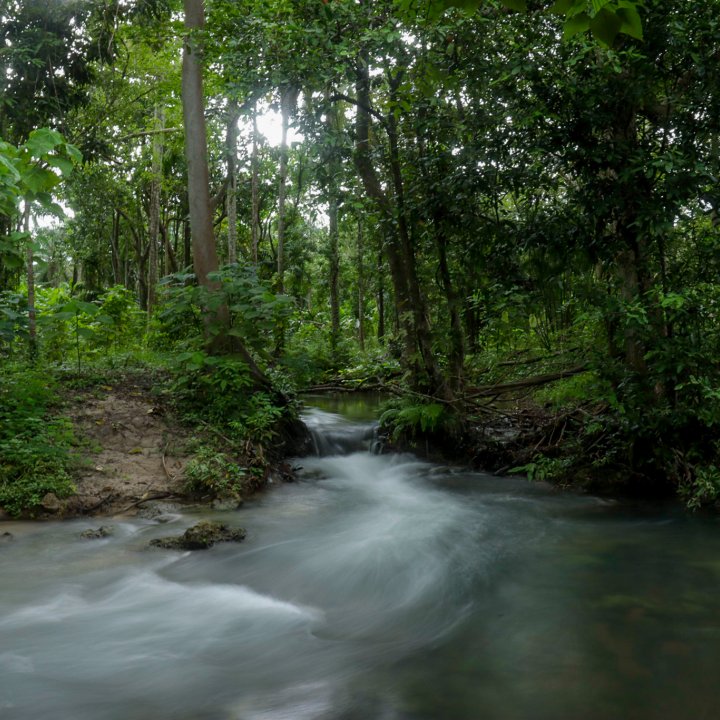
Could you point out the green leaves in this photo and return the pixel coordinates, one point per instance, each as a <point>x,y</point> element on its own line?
<point>38,179</point>
<point>43,141</point>
<point>605,19</point>
<point>576,24</point>
<point>436,7</point>
<point>33,170</point>
<point>518,5</point>
<point>631,22</point>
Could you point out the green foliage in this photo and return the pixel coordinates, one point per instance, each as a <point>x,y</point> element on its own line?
<point>373,364</point>
<point>208,386</point>
<point>260,420</point>
<point>69,324</point>
<point>255,311</point>
<point>13,319</point>
<point>34,449</point>
<point>586,387</point>
<point>544,469</point>
<point>219,390</point>
<point>410,419</point>
<point>701,488</point>
<point>211,472</point>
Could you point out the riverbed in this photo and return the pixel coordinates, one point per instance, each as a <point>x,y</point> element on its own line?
<point>376,587</point>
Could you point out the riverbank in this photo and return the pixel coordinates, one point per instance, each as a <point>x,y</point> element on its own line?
<point>130,449</point>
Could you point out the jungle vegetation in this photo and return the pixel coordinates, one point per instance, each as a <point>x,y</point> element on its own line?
<point>505,213</point>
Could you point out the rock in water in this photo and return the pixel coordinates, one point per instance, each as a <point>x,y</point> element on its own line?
<point>95,534</point>
<point>200,537</point>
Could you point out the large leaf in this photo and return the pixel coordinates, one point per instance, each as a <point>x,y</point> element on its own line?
<point>73,152</point>
<point>43,141</point>
<point>38,179</point>
<point>631,22</point>
<point>6,166</point>
<point>79,306</point>
<point>576,24</point>
<point>561,7</point>
<point>64,165</point>
<point>605,27</point>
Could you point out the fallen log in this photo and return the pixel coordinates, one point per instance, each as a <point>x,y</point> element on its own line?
<point>534,381</point>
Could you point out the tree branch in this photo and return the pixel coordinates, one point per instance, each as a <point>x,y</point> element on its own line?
<point>146,133</point>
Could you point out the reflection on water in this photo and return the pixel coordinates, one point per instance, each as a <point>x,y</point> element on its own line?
<point>375,587</point>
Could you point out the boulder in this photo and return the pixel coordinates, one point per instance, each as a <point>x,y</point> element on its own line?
<point>229,501</point>
<point>51,503</point>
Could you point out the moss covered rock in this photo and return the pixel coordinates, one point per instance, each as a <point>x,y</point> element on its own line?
<point>201,537</point>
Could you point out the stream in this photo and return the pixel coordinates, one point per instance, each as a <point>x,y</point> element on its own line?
<point>376,587</point>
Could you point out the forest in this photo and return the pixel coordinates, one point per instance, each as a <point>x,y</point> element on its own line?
<point>500,215</point>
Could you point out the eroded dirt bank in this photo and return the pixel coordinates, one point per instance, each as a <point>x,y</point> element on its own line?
<point>133,449</point>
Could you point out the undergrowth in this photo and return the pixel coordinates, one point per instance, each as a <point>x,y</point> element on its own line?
<point>35,448</point>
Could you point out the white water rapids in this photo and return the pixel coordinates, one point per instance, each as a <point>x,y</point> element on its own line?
<point>375,587</point>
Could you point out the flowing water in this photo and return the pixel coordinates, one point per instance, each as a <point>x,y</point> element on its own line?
<point>375,587</point>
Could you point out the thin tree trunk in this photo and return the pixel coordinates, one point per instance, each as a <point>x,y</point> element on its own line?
<point>421,325</point>
<point>231,197</point>
<point>171,261</point>
<point>409,300</point>
<point>438,213</point>
<point>361,287</point>
<point>374,190</point>
<point>333,234</point>
<point>114,247</point>
<point>380,300</point>
<point>255,200</point>
<point>30,258</point>
<point>187,244</point>
<point>334,273</point>
<point>154,220</point>
<point>287,100</point>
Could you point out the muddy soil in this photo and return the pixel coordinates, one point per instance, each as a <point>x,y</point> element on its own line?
<point>133,450</point>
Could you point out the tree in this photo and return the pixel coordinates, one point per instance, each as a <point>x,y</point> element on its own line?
<point>205,259</point>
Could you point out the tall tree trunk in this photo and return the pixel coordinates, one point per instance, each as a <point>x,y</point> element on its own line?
<point>421,324</point>
<point>114,248</point>
<point>204,252</point>
<point>287,101</point>
<point>201,227</point>
<point>374,190</point>
<point>361,287</point>
<point>231,196</point>
<point>154,220</point>
<point>187,244</point>
<point>30,258</point>
<point>171,265</point>
<point>438,214</point>
<point>255,200</point>
<point>334,273</point>
<point>409,300</point>
<point>332,128</point>
<point>380,300</point>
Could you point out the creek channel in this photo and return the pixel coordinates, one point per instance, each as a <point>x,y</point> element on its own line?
<point>376,587</point>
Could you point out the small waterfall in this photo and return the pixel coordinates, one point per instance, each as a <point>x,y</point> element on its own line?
<point>334,435</point>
